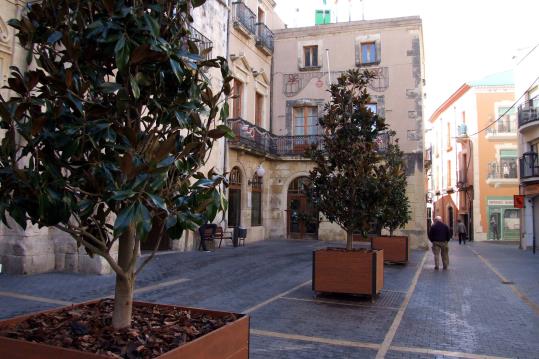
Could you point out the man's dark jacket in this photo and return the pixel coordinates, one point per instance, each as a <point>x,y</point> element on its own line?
<point>439,232</point>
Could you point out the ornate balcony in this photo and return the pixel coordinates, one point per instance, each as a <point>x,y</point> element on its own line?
<point>529,167</point>
<point>502,173</point>
<point>264,38</point>
<point>528,113</point>
<point>504,129</point>
<point>263,143</point>
<point>243,19</point>
<point>204,44</point>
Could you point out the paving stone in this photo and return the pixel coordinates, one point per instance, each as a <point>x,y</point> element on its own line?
<point>275,348</point>
<point>12,307</point>
<point>465,309</point>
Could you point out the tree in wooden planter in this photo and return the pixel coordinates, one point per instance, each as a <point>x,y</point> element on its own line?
<point>105,138</point>
<point>394,211</point>
<point>346,183</point>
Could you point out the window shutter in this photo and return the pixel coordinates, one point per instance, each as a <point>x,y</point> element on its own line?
<point>378,51</point>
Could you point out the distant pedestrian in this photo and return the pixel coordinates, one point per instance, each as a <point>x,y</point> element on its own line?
<point>461,229</point>
<point>439,235</point>
<point>494,228</point>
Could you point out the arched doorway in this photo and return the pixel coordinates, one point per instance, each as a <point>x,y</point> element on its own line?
<point>234,198</point>
<point>302,217</point>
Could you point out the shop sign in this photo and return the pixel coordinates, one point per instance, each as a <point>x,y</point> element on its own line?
<point>500,202</point>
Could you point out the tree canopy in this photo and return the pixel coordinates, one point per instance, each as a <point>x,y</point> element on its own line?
<point>105,135</point>
<point>346,178</point>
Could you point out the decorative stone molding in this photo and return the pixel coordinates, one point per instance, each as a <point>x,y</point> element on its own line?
<point>294,83</point>
<point>5,35</point>
<point>290,104</point>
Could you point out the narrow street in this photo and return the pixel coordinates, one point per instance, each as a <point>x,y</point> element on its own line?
<point>485,306</point>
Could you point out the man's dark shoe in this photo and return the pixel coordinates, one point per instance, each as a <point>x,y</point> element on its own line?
<point>445,268</point>
<point>436,268</point>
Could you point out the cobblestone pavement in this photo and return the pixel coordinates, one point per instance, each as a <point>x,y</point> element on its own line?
<point>485,306</point>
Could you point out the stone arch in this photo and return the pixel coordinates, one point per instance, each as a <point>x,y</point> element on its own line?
<point>300,221</point>
<point>235,196</point>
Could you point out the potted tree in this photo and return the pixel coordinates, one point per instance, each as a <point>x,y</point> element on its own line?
<point>104,139</point>
<point>395,210</point>
<point>346,186</point>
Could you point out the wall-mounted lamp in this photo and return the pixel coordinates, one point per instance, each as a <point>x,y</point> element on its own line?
<point>260,172</point>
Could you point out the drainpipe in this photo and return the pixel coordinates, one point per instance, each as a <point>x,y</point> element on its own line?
<point>271,91</point>
<point>225,141</point>
<point>533,224</point>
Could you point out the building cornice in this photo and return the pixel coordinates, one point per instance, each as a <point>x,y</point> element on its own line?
<point>451,100</point>
<point>363,25</point>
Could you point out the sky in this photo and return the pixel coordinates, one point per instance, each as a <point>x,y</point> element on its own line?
<point>464,40</point>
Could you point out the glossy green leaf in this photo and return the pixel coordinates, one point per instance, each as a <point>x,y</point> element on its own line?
<point>134,87</point>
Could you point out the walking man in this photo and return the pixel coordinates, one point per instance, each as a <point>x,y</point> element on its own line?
<point>439,236</point>
<point>461,229</point>
<point>494,227</point>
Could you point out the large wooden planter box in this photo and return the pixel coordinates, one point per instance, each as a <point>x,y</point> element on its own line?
<point>360,271</point>
<point>396,248</point>
<point>228,342</point>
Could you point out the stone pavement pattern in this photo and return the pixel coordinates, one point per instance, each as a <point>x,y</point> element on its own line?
<point>465,312</point>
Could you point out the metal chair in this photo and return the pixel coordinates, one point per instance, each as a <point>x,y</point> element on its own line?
<point>220,234</point>
<point>207,233</point>
<point>239,235</point>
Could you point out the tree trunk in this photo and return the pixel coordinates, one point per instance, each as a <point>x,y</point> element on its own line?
<point>390,232</point>
<point>123,294</point>
<point>349,240</point>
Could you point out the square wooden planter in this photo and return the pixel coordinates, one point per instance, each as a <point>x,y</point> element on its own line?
<point>228,342</point>
<point>396,248</point>
<point>359,271</point>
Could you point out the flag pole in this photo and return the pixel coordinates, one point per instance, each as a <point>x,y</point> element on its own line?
<point>329,70</point>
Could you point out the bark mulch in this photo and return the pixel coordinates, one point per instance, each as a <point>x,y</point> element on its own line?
<point>154,330</point>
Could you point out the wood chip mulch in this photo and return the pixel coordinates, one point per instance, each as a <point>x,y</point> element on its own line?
<point>154,330</point>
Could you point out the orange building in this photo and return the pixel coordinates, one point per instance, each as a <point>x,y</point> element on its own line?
<point>474,159</point>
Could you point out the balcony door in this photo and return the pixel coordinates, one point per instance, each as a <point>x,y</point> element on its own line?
<point>237,101</point>
<point>302,221</point>
<point>305,124</point>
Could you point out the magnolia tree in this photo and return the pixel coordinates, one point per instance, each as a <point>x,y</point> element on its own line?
<point>105,137</point>
<point>395,211</point>
<point>346,183</point>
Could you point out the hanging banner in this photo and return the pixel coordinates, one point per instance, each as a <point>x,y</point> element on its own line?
<point>518,201</point>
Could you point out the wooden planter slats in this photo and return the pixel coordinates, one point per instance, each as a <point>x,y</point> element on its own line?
<point>228,342</point>
<point>396,248</point>
<point>350,272</point>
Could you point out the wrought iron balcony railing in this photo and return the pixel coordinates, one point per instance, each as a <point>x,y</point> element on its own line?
<point>504,126</point>
<point>506,169</point>
<point>529,165</point>
<point>204,44</point>
<point>528,112</point>
<point>264,142</point>
<point>264,37</point>
<point>244,17</point>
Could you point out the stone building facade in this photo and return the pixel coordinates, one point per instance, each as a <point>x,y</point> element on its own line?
<point>42,250</point>
<point>305,61</point>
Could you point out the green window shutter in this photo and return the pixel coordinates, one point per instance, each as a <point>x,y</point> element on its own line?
<point>319,17</point>
<point>327,17</point>
<point>508,153</point>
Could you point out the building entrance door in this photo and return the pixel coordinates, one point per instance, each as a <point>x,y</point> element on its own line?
<point>302,221</point>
